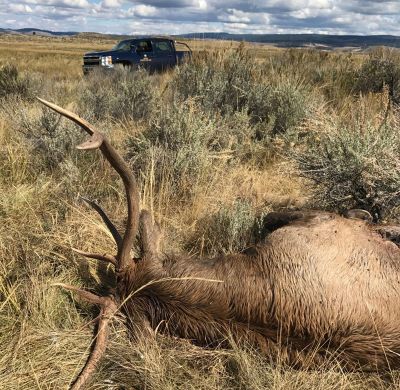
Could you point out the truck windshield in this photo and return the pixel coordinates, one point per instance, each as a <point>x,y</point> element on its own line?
<point>123,46</point>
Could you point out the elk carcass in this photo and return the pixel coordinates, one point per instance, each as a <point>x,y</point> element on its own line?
<point>318,281</point>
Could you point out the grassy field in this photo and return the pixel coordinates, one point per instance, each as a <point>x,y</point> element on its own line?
<point>215,144</point>
<point>61,57</point>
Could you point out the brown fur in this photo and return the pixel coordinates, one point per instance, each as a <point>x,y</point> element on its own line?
<point>319,280</point>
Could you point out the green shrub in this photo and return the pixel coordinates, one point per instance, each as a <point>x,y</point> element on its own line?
<point>353,167</point>
<point>177,144</point>
<point>219,81</point>
<point>233,81</point>
<point>117,95</point>
<point>379,70</point>
<point>230,229</point>
<point>13,84</point>
<point>289,107</point>
<point>182,143</point>
<point>51,139</point>
<point>277,109</point>
<point>333,73</point>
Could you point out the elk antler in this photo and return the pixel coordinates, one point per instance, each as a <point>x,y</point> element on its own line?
<point>123,258</point>
<point>114,231</point>
<point>108,309</point>
<point>98,140</point>
<point>105,257</point>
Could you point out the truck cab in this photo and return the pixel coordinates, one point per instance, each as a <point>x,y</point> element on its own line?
<point>154,54</point>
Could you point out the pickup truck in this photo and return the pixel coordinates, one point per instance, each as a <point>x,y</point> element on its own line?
<point>154,54</point>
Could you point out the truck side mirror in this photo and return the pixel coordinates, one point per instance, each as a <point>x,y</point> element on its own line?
<point>133,47</point>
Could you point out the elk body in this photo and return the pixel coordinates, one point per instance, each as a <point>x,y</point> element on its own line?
<point>318,282</point>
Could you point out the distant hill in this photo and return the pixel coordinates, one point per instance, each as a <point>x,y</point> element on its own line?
<point>35,31</point>
<point>320,41</point>
<point>304,40</point>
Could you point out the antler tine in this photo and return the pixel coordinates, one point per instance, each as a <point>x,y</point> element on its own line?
<point>97,256</point>
<point>70,115</point>
<point>83,294</point>
<point>111,227</point>
<point>98,140</point>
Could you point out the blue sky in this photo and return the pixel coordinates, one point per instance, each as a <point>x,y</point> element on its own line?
<point>183,16</point>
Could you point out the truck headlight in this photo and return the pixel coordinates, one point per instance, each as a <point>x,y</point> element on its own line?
<point>106,61</point>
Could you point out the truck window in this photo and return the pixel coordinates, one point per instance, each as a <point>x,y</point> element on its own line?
<point>162,47</point>
<point>123,46</point>
<point>143,47</point>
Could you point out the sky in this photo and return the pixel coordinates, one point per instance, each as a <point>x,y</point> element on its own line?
<point>361,17</point>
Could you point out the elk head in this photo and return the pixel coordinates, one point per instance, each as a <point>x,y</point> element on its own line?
<point>131,273</point>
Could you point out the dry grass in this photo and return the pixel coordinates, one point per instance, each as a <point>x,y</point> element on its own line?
<point>44,333</point>
<point>61,57</point>
<point>58,57</point>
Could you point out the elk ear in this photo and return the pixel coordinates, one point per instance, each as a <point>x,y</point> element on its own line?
<point>150,234</point>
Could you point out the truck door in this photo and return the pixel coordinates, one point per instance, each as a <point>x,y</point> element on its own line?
<point>164,54</point>
<point>144,50</point>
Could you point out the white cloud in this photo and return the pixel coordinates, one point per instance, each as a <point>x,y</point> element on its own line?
<point>202,4</point>
<point>181,16</point>
<point>146,10</point>
<point>236,16</point>
<point>17,8</point>
<point>111,3</point>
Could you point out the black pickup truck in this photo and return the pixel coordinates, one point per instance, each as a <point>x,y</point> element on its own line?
<point>154,54</point>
